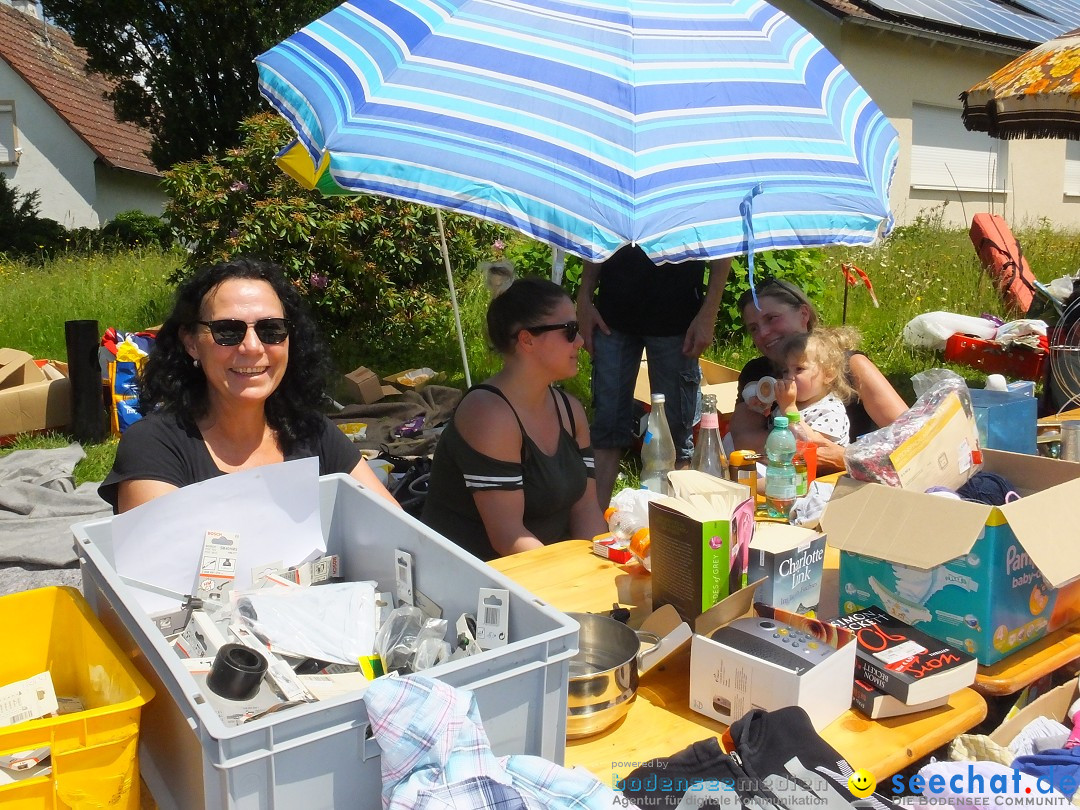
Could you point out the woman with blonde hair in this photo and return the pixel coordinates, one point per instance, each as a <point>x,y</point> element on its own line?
<point>782,309</point>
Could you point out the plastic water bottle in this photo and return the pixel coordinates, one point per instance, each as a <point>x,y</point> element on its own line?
<point>709,456</point>
<point>627,514</point>
<point>795,425</point>
<point>657,450</point>
<point>779,471</point>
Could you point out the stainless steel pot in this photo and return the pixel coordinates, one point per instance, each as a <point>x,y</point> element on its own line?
<point>604,673</point>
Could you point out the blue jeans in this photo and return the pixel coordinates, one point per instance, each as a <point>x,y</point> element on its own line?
<point>615,362</point>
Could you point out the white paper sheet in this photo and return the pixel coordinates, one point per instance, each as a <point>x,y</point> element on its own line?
<point>274,509</point>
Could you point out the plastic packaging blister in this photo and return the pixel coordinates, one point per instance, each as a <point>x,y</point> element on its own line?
<point>868,457</point>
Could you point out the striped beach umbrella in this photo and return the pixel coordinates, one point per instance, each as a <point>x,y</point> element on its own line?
<point>693,129</point>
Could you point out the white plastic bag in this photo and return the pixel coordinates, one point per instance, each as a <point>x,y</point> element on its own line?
<point>332,622</point>
<point>931,329</point>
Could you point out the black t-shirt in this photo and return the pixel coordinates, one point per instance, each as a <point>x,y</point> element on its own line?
<point>638,297</point>
<point>160,448</point>
<point>762,367</point>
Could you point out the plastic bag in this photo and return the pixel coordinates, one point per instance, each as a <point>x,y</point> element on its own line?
<point>868,458</point>
<point>923,381</point>
<point>931,329</point>
<point>332,622</point>
<point>408,639</point>
<point>430,647</point>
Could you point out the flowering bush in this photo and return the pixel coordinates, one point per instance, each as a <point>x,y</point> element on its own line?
<point>370,267</point>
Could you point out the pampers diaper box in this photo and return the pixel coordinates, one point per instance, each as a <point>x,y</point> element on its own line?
<point>983,578</point>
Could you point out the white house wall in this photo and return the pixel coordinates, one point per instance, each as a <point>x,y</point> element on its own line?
<point>899,71</point>
<point>54,161</point>
<point>75,188</point>
<point>119,190</point>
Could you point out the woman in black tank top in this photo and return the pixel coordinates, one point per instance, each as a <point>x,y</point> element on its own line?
<point>513,470</point>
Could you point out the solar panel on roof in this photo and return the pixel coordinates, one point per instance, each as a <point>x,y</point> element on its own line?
<point>1048,20</point>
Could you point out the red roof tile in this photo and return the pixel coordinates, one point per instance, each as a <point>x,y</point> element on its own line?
<point>843,8</point>
<point>47,60</point>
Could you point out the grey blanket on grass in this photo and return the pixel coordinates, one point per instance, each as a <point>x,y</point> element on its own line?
<point>436,403</point>
<point>38,504</point>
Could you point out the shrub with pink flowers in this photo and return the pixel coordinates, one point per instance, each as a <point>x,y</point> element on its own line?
<point>370,267</point>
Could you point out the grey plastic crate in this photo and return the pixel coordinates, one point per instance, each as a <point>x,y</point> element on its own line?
<point>318,756</point>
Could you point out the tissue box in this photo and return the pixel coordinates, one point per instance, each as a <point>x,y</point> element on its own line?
<point>1006,420</point>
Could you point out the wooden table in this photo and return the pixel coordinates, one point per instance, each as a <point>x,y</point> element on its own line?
<point>570,578</point>
<point>1027,665</point>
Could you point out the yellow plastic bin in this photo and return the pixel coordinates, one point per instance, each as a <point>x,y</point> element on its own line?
<point>94,752</point>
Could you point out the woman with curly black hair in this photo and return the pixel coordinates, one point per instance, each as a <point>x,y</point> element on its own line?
<point>236,380</point>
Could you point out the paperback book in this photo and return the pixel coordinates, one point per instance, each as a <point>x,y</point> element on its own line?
<point>878,705</point>
<point>791,560</point>
<point>895,658</point>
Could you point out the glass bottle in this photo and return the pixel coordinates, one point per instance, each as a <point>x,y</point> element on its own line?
<point>798,430</point>
<point>743,466</point>
<point>657,450</point>
<point>709,456</point>
<point>779,471</point>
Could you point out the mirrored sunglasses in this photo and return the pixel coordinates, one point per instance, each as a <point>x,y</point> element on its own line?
<point>232,331</point>
<point>571,328</point>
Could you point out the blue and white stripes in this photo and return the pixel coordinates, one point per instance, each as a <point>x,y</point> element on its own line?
<point>592,124</point>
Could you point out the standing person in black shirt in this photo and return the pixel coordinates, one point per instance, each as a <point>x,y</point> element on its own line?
<point>663,310</point>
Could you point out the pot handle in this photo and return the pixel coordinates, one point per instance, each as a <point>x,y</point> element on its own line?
<point>650,656</point>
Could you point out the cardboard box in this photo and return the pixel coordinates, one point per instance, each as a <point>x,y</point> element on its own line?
<point>726,683</point>
<point>1054,705</point>
<point>699,542</point>
<point>365,387</point>
<point>791,561</point>
<point>721,381</point>
<point>32,397</point>
<point>982,578</point>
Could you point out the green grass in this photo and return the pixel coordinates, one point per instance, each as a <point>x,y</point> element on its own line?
<point>127,290</point>
<point>920,268</point>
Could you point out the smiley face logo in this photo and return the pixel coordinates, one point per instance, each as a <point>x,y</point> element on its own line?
<point>861,783</point>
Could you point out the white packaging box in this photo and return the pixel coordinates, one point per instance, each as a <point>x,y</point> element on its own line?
<point>726,683</point>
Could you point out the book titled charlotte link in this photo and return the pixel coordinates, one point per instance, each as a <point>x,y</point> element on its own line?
<point>904,662</point>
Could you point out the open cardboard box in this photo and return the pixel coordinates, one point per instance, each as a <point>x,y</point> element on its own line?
<point>364,386</point>
<point>700,541</point>
<point>33,396</point>
<point>721,381</point>
<point>1054,705</point>
<point>982,578</point>
<point>726,683</point>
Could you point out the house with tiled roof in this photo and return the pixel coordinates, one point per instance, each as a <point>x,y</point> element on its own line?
<point>58,133</point>
<point>914,58</point>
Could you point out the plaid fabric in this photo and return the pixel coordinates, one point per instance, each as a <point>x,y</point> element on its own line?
<point>436,756</point>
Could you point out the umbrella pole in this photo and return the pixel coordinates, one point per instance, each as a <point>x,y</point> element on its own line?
<point>453,297</point>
